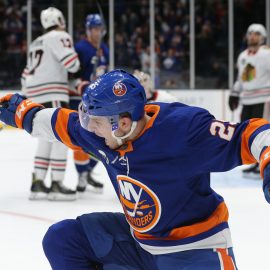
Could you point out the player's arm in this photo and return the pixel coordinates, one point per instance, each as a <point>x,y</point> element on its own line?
<point>49,124</point>
<point>255,147</point>
<point>221,146</point>
<point>64,125</point>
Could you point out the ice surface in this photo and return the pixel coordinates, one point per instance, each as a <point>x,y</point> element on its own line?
<point>23,222</point>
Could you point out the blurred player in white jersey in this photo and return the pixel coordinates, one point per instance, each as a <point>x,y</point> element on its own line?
<point>152,94</point>
<point>252,87</point>
<point>45,80</point>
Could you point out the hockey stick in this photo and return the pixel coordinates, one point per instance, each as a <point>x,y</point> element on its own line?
<point>232,116</point>
<point>104,31</point>
<point>102,17</point>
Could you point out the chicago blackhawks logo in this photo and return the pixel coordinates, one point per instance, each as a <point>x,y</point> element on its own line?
<point>119,89</point>
<point>141,205</point>
<point>249,73</point>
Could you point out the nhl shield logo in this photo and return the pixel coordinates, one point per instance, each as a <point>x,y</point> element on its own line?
<point>141,205</point>
<point>119,89</point>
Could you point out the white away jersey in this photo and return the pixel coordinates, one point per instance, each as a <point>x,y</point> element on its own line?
<point>253,83</point>
<point>51,56</point>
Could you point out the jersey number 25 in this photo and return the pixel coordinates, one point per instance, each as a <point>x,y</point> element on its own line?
<point>223,131</point>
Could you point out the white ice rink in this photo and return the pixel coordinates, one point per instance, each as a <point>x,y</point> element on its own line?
<point>23,222</point>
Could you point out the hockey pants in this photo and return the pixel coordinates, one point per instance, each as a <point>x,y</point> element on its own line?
<point>103,241</point>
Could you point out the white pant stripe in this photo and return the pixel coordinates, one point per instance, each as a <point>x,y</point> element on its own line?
<point>221,261</point>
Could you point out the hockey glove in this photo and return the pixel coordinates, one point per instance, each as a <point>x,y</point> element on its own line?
<point>17,111</point>
<point>233,102</point>
<point>77,87</point>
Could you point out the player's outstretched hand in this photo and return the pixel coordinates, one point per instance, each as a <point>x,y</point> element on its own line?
<point>233,102</point>
<point>17,111</point>
<point>266,183</point>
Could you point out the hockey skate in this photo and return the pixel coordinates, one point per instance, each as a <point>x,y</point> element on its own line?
<point>82,182</point>
<point>58,192</point>
<point>253,172</point>
<point>38,189</point>
<point>94,185</point>
<point>87,181</point>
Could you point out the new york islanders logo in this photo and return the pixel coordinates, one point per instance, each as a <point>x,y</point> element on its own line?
<point>119,89</point>
<point>141,205</point>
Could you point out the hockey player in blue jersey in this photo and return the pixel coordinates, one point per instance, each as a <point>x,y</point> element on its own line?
<point>94,58</point>
<point>93,53</point>
<point>159,157</point>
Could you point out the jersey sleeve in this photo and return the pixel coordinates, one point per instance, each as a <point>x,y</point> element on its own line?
<point>220,146</point>
<point>68,130</point>
<point>61,45</point>
<point>63,125</point>
<point>42,127</point>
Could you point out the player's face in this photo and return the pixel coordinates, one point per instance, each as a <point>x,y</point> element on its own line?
<point>103,128</point>
<point>96,33</point>
<point>254,38</point>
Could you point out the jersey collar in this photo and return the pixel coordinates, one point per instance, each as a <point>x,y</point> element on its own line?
<point>153,111</point>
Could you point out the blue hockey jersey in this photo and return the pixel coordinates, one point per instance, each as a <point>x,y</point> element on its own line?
<point>86,51</point>
<point>162,178</point>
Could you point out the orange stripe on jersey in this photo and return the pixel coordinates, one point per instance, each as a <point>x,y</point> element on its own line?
<point>80,155</point>
<point>61,128</point>
<point>226,261</point>
<point>246,156</point>
<point>125,148</point>
<point>149,109</point>
<point>219,216</point>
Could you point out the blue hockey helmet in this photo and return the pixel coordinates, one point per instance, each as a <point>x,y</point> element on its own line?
<point>111,95</point>
<point>93,20</point>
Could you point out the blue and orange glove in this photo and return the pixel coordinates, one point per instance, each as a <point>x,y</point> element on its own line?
<point>17,111</point>
<point>265,172</point>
